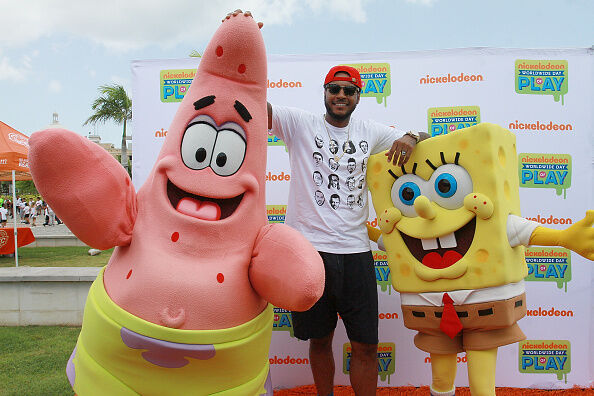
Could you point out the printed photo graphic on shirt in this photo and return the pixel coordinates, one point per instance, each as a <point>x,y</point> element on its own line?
<point>333,181</point>
<point>319,196</point>
<point>350,182</point>
<point>317,178</point>
<point>364,146</point>
<point>351,201</point>
<point>361,200</point>
<point>351,165</point>
<point>319,141</point>
<point>333,146</point>
<point>361,182</point>
<point>348,147</point>
<point>318,158</point>
<point>333,164</point>
<point>364,165</point>
<point>334,201</point>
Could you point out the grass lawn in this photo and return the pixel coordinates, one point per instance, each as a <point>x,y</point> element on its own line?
<point>63,256</point>
<point>33,360</point>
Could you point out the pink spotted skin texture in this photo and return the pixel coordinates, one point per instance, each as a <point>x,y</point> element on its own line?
<point>194,250</point>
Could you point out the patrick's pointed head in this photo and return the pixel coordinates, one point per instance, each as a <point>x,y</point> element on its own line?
<point>211,168</point>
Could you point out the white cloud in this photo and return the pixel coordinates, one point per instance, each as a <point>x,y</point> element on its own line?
<point>133,24</point>
<point>11,71</point>
<point>55,86</point>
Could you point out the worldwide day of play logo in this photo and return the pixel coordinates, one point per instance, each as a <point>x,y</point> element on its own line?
<point>542,77</point>
<point>274,140</point>
<point>386,357</point>
<point>376,80</point>
<point>442,120</point>
<point>283,321</point>
<point>547,264</point>
<point>175,84</point>
<point>545,357</point>
<point>538,170</point>
<point>382,271</point>
<point>276,213</point>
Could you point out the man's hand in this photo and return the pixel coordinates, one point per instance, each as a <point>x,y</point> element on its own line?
<point>401,150</point>
<point>237,12</point>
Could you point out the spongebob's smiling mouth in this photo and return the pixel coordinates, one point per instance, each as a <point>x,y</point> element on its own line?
<point>199,207</point>
<point>442,252</point>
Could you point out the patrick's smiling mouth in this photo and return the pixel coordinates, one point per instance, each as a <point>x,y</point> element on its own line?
<point>442,252</point>
<point>199,207</point>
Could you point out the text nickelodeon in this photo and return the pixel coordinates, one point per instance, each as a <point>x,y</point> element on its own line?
<point>175,84</point>
<point>545,170</point>
<point>545,357</point>
<point>442,120</point>
<point>376,79</point>
<point>548,264</point>
<point>542,77</point>
<point>386,357</point>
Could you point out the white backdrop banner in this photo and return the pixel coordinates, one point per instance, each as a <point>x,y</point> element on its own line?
<point>543,96</point>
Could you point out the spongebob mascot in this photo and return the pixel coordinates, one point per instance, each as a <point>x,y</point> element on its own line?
<point>450,223</point>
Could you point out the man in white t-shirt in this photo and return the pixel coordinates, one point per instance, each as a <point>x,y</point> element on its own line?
<point>3,215</point>
<point>327,215</point>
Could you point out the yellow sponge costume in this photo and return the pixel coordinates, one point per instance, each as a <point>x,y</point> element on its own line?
<point>130,356</point>
<point>450,223</point>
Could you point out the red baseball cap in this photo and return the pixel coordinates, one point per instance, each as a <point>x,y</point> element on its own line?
<point>354,76</point>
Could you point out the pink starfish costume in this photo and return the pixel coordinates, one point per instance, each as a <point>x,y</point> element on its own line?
<point>195,258</point>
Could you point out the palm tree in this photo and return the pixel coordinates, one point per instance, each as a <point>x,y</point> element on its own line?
<point>115,105</point>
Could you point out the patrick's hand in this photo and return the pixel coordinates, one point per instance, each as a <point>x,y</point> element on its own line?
<point>238,12</point>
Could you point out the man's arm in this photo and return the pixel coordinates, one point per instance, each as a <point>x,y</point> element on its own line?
<point>402,148</point>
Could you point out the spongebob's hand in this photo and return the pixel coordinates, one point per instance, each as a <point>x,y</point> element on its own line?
<point>580,236</point>
<point>388,220</point>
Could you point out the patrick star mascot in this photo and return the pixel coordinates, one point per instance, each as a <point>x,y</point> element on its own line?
<point>185,305</point>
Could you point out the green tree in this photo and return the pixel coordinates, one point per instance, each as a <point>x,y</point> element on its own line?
<point>113,105</point>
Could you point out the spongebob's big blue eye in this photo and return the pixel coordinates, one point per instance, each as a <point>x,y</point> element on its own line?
<point>408,192</point>
<point>451,183</point>
<point>446,185</point>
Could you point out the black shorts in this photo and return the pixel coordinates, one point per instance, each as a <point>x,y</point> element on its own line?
<point>351,291</point>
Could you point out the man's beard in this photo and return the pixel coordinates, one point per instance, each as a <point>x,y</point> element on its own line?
<point>337,117</point>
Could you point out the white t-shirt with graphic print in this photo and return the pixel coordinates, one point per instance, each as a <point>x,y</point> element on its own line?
<point>328,191</point>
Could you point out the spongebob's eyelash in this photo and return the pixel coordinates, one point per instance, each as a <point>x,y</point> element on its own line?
<point>393,175</point>
<point>443,160</point>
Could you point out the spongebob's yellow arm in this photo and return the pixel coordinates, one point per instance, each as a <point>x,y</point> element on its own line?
<point>373,233</point>
<point>579,237</point>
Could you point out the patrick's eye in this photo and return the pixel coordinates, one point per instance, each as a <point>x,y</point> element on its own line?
<point>197,145</point>
<point>451,183</point>
<point>405,190</point>
<point>228,152</point>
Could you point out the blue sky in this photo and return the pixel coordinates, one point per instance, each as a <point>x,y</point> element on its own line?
<point>55,54</point>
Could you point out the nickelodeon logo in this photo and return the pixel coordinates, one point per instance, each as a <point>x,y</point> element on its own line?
<point>386,356</point>
<point>278,177</point>
<point>442,120</point>
<point>538,170</point>
<point>552,312</point>
<point>161,134</point>
<point>376,80</point>
<point>542,77</point>
<point>288,360</point>
<point>548,264</point>
<point>459,359</point>
<point>175,84</point>
<point>276,213</point>
<point>539,126</point>
<point>545,357</point>
<point>283,84</point>
<point>451,78</point>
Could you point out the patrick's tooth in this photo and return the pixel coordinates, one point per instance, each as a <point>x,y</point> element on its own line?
<point>448,241</point>
<point>429,244</point>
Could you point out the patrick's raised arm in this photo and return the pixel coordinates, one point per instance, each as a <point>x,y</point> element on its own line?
<point>87,188</point>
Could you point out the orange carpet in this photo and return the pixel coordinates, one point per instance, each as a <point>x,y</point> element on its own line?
<point>424,391</point>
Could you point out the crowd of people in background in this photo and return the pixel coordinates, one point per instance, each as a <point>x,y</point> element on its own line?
<point>31,211</point>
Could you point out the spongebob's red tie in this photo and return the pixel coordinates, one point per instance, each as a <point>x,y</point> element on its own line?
<point>450,322</point>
